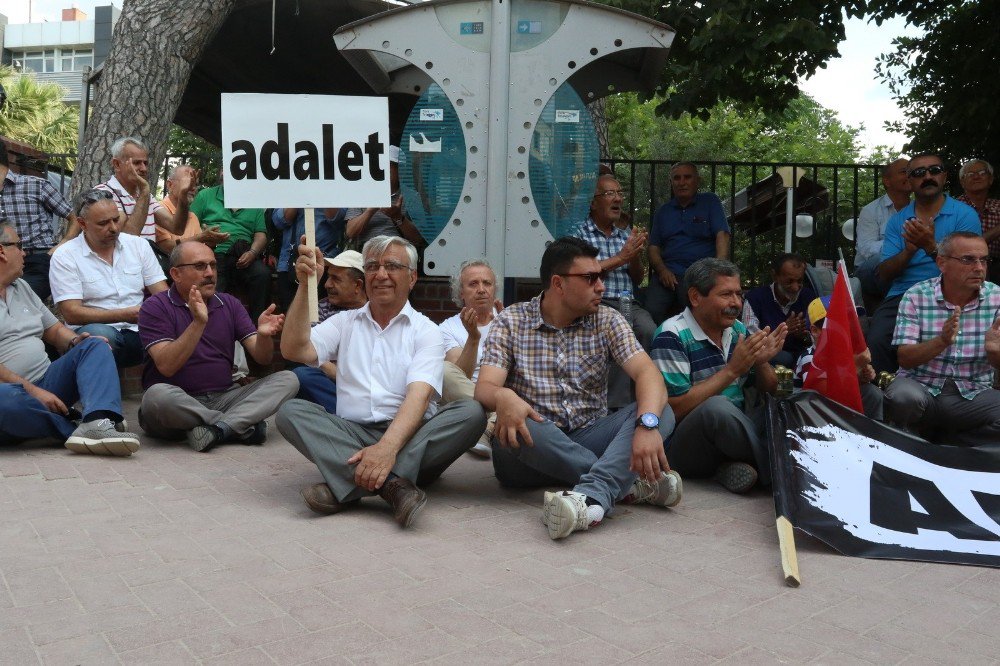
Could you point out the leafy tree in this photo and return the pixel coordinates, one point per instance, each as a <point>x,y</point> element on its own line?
<point>945,80</point>
<point>35,113</point>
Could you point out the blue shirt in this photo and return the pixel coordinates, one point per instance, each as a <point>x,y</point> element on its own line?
<point>328,233</point>
<point>953,216</point>
<point>685,235</point>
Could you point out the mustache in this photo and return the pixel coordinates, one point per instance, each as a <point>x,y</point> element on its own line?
<point>731,311</point>
<point>929,181</point>
<point>206,281</point>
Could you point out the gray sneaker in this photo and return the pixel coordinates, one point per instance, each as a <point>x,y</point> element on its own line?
<point>665,492</point>
<point>566,512</point>
<point>203,438</point>
<point>102,438</point>
<point>736,477</point>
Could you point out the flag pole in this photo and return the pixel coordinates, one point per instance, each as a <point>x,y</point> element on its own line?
<point>780,483</point>
<point>789,557</point>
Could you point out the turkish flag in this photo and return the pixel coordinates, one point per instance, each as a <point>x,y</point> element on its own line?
<point>833,371</point>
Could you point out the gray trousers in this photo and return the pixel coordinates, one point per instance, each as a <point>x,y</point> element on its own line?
<point>329,441</point>
<point>947,417</point>
<point>169,411</point>
<point>717,432</point>
<point>620,391</point>
<point>594,460</point>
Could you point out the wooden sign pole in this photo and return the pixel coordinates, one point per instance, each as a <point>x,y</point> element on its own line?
<point>789,559</point>
<point>310,219</point>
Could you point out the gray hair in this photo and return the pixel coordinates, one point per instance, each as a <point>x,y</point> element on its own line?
<point>376,247</point>
<point>175,168</point>
<point>944,247</point>
<point>966,167</point>
<point>456,278</point>
<point>886,168</point>
<point>677,165</point>
<point>175,254</point>
<point>6,226</point>
<point>118,147</point>
<point>703,273</point>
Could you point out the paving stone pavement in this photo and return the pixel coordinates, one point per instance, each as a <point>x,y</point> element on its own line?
<point>177,557</point>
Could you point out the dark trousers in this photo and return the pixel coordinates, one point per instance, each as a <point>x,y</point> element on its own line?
<point>255,280</point>
<point>36,273</point>
<point>880,330</point>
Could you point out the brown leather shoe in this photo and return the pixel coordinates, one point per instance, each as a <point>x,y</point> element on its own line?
<point>320,499</point>
<point>404,498</point>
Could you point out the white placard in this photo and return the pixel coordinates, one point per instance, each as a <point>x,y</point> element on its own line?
<point>305,151</point>
<point>432,115</point>
<point>567,115</point>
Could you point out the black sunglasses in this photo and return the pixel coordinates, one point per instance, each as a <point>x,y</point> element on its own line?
<point>591,278</point>
<point>87,199</point>
<point>920,172</point>
<point>16,244</point>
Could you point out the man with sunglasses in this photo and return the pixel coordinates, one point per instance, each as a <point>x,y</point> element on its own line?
<point>976,178</point>
<point>948,332</point>
<point>190,332</point>
<point>909,249</point>
<point>98,278</point>
<point>36,395</point>
<point>620,255</point>
<point>29,203</point>
<point>544,371</point>
<point>388,436</point>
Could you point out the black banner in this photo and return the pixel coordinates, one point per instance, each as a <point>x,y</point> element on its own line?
<point>870,490</point>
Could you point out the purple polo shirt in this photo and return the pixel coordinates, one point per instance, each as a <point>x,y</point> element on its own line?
<point>165,316</point>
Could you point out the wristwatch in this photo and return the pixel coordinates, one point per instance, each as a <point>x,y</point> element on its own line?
<point>649,421</point>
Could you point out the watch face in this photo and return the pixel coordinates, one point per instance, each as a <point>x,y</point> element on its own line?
<point>649,420</point>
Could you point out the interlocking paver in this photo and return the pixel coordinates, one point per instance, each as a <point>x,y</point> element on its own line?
<point>175,557</point>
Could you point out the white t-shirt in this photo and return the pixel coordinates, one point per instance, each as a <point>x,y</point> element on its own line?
<point>375,365</point>
<point>78,273</point>
<point>455,336</point>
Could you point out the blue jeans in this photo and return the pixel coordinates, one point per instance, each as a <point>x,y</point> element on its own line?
<point>86,373</point>
<point>125,344</point>
<point>594,460</point>
<point>315,386</point>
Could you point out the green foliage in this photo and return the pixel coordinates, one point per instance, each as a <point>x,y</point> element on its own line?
<point>945,80</point>
<point>183,146</point>
<point>35,114</point>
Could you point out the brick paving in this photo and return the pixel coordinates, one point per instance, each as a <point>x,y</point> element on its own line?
<point>177,557</point>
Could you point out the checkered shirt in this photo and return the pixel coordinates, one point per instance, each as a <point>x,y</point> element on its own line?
<point>989,216</point>
<point>685,355</point>
<point>561,373</point>
<point>607,247</point>
<point>922,314</point>
<point>29,203</point>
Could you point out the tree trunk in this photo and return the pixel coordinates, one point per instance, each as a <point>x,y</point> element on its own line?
<point>598,111</point>
<point>156,44</point>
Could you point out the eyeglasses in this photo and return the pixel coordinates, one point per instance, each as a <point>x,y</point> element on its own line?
<point>16,244</point>
<point>591,278</point>
<point>969,260</point>
<point>920,172</point>
<point>372,267</point>
<point>611,194</point>
<point>977,172</point>
<point>87,199</point>
<point>200,266</point>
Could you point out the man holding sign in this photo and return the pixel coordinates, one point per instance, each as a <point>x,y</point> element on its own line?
<point>948,334</point>
<point>388,433</point>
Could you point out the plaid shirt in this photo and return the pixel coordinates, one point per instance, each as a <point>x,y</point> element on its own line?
<point>989,216</point>
<point>607,247</point>
<point>922,314</point>
<point>561,373</point>
<point>29,203</point>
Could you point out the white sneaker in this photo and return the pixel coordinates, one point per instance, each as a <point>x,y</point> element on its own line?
<point>481,449</point>
<point>102,438</point>
<point>665,492</point>
<point>565,513</point>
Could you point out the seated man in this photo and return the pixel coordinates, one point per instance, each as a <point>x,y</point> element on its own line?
<point>345,290</point>
<point>363,224</point>
<point>910,247</point>
<point>706,356</point>
<point>291,222</point>
<point>976,177</point>
<point>620,254</point>
<point>544,372</point>
<point>474,289</point>
<point>189,332</point>
<point>691,226</point>
<point>870,229</point>
<point>36,395</point>
<point>239,255</point>
<point>98,277</point>
<point>949,347</point>
<point>871,395</point>
<point>785,300</point>
<point>387,434</point>
<point>183,181</point>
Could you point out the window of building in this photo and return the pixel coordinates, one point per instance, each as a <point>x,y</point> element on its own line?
<point>37,61</point>
<point>55,60</point>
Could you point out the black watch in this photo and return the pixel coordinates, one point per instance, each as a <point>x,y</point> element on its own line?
<point>649,421</point>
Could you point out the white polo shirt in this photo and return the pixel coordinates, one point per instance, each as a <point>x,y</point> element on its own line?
<point>455,336</point>
<point>77,273</point>
<point>126,203</point>
<point>375,365</point>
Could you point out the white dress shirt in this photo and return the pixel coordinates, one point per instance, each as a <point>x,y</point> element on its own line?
<point>455,336</point>
<point>376,365</point>
<point>78,273</point>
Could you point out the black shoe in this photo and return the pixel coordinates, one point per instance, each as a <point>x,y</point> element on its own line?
<point>257,435</point>
<point>202,438</point>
